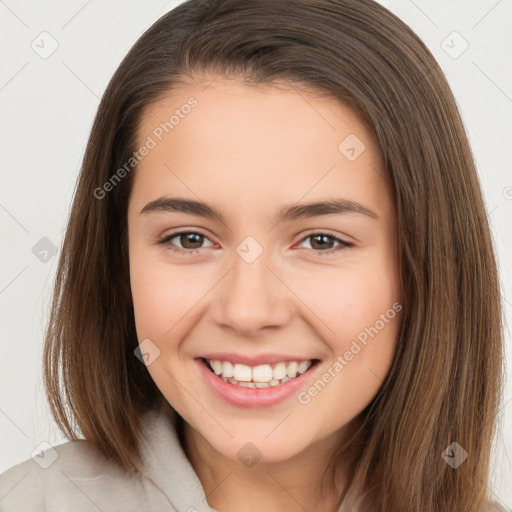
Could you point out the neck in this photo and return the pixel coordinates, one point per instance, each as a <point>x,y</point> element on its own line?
<point>293,485</point>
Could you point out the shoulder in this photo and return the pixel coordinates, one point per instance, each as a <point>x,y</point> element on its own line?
<point>74,473</point>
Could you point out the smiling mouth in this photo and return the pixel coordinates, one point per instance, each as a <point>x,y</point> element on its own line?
<point>261,376</point>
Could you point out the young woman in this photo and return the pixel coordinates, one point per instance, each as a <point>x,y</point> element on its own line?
<point>277,289</point>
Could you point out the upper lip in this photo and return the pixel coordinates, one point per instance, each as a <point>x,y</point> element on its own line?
<point>254,360</point>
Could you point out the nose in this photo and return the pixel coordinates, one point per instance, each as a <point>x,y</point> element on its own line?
<point>251,297</point>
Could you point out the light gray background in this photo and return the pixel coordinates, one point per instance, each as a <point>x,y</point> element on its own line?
<point>47,108</point>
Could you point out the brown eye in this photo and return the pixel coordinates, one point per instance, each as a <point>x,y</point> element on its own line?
<point>322,243</point>
<point>190,240</point>
<point>187,242</point>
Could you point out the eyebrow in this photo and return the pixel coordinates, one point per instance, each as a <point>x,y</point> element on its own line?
<point>285,213</point>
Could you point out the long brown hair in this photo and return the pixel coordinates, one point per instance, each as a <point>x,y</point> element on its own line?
<point>445,383</point>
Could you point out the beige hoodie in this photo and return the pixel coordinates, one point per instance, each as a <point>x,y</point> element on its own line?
<point>82,480</point>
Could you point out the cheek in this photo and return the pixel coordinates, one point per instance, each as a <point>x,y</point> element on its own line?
<point>358,311</point>
<point>347,299</point>
<point>362,352</point>
<point>163,298</point>
<point>162,294</point>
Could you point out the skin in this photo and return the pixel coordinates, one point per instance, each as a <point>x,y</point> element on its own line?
<point>249,150</point>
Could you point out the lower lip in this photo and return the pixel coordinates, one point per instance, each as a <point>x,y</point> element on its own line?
<point>253,397</point>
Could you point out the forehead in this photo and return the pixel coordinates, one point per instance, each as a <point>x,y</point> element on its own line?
<point>242,143</point>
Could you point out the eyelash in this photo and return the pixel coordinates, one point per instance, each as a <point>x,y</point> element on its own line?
<point>165,241</point>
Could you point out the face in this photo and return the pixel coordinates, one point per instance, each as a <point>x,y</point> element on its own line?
<point>230,262</point>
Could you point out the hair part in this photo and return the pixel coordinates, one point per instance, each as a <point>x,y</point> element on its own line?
<point>445,382</point>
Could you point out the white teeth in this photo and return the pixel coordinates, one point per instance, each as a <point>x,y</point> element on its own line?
<point>227,369</point>
<point>292,370</point>
<point>241,372</point>
<point>216,366</point>
<point>262,373</point>
<point>303,366</point>
<point>260,376</point>
<point>279,371</point>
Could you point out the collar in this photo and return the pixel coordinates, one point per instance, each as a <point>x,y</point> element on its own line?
<point>165,463</point>
<point>166,466</point>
